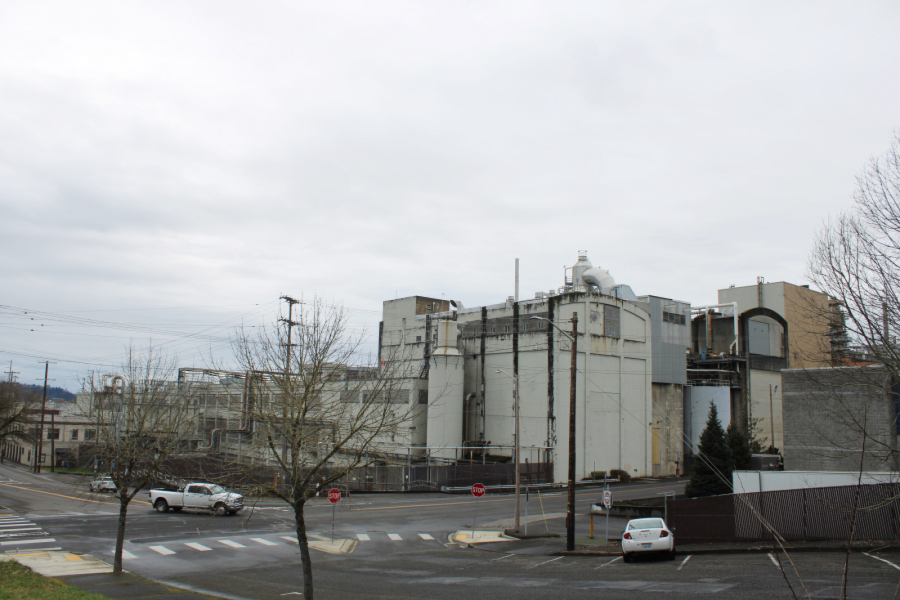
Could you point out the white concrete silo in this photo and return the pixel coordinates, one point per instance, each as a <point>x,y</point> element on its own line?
<point>446,378</point>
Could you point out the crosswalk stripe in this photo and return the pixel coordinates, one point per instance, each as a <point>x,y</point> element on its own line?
<point>395,537</point>
<point>37,541</point>
<point>162,550</point>
<point>197,546</point>
<point>290,539</point>
<point>126,554</point>
<point>18,529</point>
<point>263,542</point>
<point>425,536</point>
<point>363,537</point>
<point>232,544</point>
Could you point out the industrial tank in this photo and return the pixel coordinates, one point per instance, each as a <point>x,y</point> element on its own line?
<point>580,267</point>
<point>446,379</point>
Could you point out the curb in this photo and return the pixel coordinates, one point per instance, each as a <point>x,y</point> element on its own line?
<point>753,550</point>
<point>529,536</point>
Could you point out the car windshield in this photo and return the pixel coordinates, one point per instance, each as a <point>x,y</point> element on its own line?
<point>645,524</point>
<point>217,489</point>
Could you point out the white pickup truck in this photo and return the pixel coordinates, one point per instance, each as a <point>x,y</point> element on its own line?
<point>201,496</point>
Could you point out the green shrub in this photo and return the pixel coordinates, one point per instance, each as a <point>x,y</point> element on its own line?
<point>621,475</point>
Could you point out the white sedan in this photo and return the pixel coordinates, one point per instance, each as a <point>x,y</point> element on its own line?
<point>647,535</point>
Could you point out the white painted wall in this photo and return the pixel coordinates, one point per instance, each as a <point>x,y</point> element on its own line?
<point>768,481</point>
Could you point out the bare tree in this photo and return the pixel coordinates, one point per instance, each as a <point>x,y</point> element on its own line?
<point>851,406</point>
<point>17,405</point>
<point>855,261</point>
<point>142,418</point>
<point>317,416</point>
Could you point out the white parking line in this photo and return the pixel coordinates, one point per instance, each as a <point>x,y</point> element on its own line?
<point>501,558</point>
<point>425,536</point>
<point>162,550</point>
<point>290,539</point>
<point>774,562</point>
<point>363,537</point>
<point>608,563</point>
<point>683,562</point>
<point>38,541</point>
<point>126,554</point>
<point>882,560</point>
<point>263,542</point>
<point>199,547</point>
<point>232,544</point>
<point>395,537</point>
<point>545,562</point>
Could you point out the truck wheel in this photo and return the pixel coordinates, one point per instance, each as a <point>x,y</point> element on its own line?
<point>161,505</point>
<point>220,510</point>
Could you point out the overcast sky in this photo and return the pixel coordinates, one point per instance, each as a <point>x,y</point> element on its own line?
<point>205,158</point>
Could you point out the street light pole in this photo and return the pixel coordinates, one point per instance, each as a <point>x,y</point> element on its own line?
<point>515,379</point>
<point>570,501</point>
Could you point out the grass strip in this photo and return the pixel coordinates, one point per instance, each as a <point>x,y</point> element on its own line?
<point>18,582</point>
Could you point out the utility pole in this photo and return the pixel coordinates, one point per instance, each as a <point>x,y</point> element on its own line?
<point>518,467</point>
<point>570,502</point>
<point>40,440</point>
<point>287,357</point>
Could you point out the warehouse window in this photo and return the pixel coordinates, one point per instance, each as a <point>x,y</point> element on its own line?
<point>611,321</point>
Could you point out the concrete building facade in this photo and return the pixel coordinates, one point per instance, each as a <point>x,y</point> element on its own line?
<point>841,419</point>
<point>628,408</point>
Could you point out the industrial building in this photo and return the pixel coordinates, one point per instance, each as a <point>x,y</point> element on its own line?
<point>740,346</point>
<point>630,373</point>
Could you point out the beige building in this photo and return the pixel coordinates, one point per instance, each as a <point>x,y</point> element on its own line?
<point>808,314</point>
<point>63,436</point>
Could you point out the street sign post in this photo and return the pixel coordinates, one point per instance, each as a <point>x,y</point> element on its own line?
<point>334,496</point>
<point>477,491</point>
<point>607,502</point>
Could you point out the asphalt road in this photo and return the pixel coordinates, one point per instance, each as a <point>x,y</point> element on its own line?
<point>404,549</point>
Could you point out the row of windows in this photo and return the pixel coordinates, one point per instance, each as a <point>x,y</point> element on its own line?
<point>53,434</point>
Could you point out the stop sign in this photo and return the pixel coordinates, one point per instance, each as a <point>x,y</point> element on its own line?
<point>334,495</point>
<point>478,490</point>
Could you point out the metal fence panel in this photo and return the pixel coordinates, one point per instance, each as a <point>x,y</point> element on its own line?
<point>812,514</point>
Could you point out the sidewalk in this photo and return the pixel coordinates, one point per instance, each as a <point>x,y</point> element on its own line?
<point>91,574</point>
<point>129,585</point>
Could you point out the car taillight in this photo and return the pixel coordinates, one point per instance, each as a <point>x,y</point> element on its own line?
<point>627,536</point>
<point>664,533</point>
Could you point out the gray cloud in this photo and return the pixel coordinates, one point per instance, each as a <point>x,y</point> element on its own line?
<point>221,154</point>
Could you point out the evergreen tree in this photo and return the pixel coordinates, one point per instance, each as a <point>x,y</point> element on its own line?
<point>739,446</point>
<point>714,452</point>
